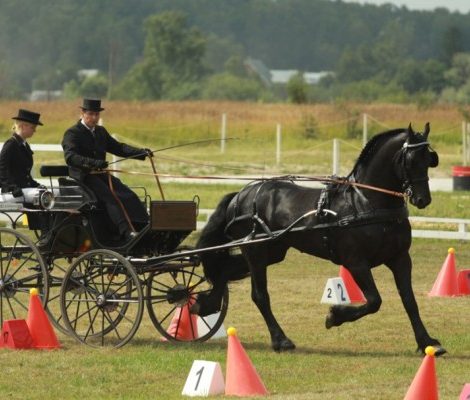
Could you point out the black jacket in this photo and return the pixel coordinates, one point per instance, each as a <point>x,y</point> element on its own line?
<point>81,148</point>
<point>16,162</point>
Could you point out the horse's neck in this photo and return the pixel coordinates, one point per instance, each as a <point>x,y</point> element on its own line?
<point>380,173</point>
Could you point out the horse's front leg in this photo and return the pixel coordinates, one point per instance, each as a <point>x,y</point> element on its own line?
<point>401,268</point>
<point>260,296</point>
<point>364,279</point>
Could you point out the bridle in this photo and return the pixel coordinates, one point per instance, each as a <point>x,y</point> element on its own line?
<point>400,158</point>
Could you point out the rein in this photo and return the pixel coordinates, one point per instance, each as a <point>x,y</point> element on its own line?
<point>323,179</point>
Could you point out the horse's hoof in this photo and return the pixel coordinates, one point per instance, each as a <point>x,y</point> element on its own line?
<point>330,320</point>
<point>195,308</point>
<point>284,345</point>
<point>439,350</point>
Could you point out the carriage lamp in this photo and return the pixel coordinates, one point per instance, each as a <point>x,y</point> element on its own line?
<point>46,200</point>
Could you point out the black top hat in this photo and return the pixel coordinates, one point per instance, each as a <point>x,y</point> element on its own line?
<point>28,116</point>
<point>91,105</point>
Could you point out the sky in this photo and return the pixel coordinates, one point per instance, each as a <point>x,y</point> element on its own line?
<point>453,5</point>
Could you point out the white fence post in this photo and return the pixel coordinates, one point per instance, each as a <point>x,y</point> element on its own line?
<point>364,129</point>
<point>223,133</point>
<point>336,150</point>
<point>278,144</point>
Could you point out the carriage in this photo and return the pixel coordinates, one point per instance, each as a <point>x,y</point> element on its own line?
<point>93,285</point>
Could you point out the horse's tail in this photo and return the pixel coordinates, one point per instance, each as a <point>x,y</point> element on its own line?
<point>220,264</point>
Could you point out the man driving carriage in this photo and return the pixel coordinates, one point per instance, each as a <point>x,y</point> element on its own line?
<point>85,146</point>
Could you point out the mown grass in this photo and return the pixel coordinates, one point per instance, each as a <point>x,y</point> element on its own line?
<point>373,358</point>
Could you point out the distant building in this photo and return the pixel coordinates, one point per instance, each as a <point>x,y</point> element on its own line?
<point>281,76</point>
<point>45,95</point>
<point>258,68</point>
<point>87,73</point>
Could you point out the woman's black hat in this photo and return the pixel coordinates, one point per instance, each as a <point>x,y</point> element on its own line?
<point>28,116</point>
<point>91,105</point>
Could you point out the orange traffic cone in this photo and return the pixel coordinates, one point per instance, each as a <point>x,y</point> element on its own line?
<point>354,292</point>
<point>15,335</point>
<point>241,378</point>
<point>39,326</point>
<point>446,282</point>
<point>463,280</point>
<point>183,326</point>
<point>465,393</point>
<point>424,385</point>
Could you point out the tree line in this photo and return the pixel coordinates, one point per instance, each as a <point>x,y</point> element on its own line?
<point>180,49</point>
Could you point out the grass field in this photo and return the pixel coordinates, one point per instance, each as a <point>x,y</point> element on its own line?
<point>373,358</point>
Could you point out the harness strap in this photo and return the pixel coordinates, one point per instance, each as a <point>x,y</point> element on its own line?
<point>120,203</point>
<point>368,217</point>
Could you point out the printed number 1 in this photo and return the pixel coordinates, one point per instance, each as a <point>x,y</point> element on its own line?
<point>199,378</point>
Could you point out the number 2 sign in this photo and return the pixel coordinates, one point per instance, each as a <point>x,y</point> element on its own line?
<point>335,292</point>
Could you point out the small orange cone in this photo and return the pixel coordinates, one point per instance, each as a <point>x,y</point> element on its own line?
<point>465,393</point>
<point>241,378</point>
<point>183,326</point>
<point>446,282</point>
<point>463,280</point>
<point>39,326</point>
<point>15,335</point>
<point>354,292</point>
<point>424,385</point>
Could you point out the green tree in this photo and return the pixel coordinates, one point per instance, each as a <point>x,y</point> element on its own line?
<point>459,72</point>
<point>297,89</point>
<point>451,44</point>
<point>226,86</point>
<point>172,64</point>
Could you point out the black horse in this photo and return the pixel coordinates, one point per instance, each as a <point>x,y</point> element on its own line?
<point>352,222</point>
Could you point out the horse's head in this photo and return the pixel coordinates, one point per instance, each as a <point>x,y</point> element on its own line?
<point>411,165</point>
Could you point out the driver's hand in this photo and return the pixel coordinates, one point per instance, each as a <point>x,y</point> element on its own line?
<point>148,152</point>
<point>101,164</point>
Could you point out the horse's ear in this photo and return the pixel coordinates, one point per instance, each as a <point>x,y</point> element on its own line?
<point>409,131</point>
<point>427,129</point>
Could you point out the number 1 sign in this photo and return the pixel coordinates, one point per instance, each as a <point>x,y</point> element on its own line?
<point>205,379</point>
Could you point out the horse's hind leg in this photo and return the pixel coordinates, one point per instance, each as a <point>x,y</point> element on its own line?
<point>260,296</point>
<point>401,268</point>
<point>340,314</point>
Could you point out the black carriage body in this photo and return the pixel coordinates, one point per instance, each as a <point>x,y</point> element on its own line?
<point>78,222</point>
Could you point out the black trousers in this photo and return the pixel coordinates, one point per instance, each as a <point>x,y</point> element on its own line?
<point>136,211</point>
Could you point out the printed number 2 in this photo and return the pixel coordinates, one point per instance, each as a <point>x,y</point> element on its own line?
<point>199,378</point>
<point>341,289</point>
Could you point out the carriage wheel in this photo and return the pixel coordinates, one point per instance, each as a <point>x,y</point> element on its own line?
<point>57,267</point>
<point>21,269</point>
<point>170,294</point>
<point>101,299</point>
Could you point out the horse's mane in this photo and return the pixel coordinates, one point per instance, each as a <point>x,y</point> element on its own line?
<point>372,145</point>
